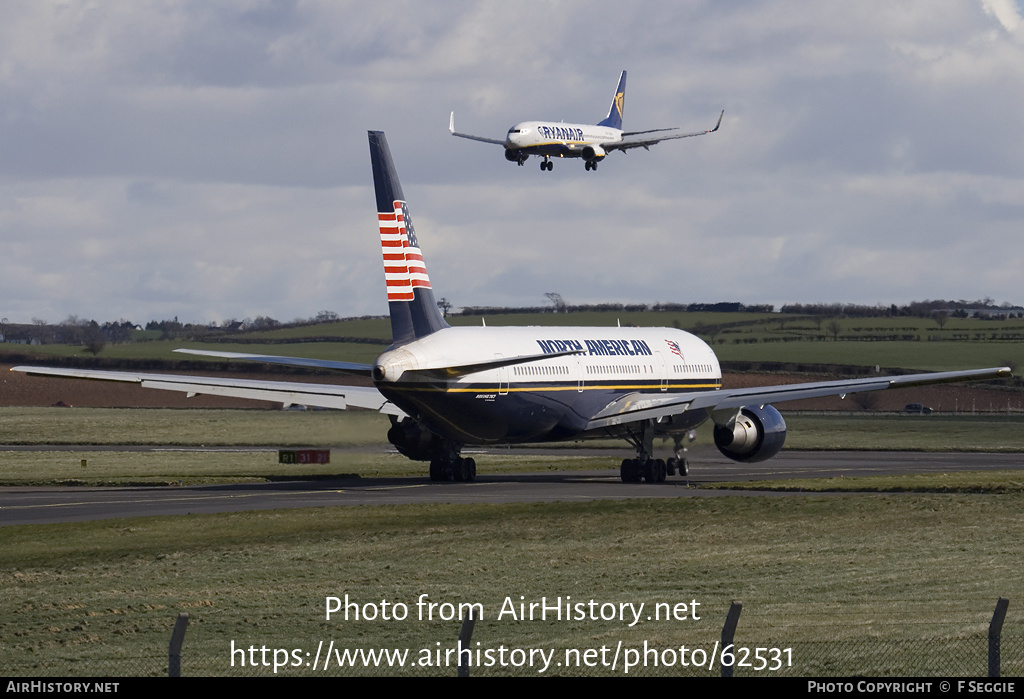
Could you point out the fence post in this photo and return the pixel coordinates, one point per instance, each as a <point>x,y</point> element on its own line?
<point>995,630</point>
<point>465,636</point>
<point>728,632</point>
<point>177,638</point>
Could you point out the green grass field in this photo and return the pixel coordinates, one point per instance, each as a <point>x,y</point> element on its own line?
<point>358,438</point>
<point>899,581</point>
<point>192,427</point>
<point>924,356</point>
<point>773,337</point>
<point>245,465</point>
<point>826,576</point>
<point>327,428</point>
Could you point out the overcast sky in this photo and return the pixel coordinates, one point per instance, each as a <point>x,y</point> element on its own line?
<point>209,160</point>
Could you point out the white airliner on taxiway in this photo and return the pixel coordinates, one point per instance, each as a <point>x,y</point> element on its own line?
<point>446,387</point>
<point>592,142</point>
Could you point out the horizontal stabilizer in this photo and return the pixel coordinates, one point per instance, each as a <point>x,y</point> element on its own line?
<point>637,133</point>
<point>638,139</point>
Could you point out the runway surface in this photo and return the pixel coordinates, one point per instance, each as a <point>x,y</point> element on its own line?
<point>31,505</point>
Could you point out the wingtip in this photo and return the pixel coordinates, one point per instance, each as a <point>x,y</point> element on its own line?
<point>451,124</point>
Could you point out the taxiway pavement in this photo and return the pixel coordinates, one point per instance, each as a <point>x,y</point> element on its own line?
<point>42,505</point>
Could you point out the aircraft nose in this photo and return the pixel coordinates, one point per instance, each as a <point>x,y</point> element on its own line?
<point>515,137</point>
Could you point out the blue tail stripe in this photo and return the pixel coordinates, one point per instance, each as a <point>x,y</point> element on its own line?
<point>385,179</point>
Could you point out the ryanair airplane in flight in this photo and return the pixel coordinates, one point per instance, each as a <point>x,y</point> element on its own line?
<point>445,387</point>
<point>590,142</point>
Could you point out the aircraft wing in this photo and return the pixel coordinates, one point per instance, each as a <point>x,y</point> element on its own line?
<point>647,406</point>
<point>643,139</point>
<point>350,367</point>
<point>286,392</point>
<point>451,130</point>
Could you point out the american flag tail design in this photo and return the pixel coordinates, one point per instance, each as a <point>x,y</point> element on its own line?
<point>414,312</point>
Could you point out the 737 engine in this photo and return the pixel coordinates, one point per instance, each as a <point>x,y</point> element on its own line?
<point>757,434</point>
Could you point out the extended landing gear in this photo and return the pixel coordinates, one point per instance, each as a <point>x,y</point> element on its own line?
<point>590,165</point>
<point>546,164</point>
<point>416,442</point>
<point>645,466</point>
<point>650,470</point>
<point>447,464</point>
<point>677,465</point>
<point>458,469</point>
<point>678,462</point>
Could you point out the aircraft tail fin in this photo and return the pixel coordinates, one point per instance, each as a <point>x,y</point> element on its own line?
<point>414,312</point>
<point>614,118</point>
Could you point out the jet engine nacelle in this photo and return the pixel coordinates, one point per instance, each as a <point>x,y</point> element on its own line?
<point>757,435</point>
<point>593,153</point>
<point>413,440</point>
<point>513,156</point>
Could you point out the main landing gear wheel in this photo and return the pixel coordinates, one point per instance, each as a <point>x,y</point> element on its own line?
<point>682,466</point>
<point>547,165</point>
<point>634,471</point>
<point>652,471</point>
<point>655,471</point>
<point>457,469</point>
<point>465,470</point>
<point>629,472</point>
<point>645,466</point>
<point>437,471</point>
<point>590,165</point>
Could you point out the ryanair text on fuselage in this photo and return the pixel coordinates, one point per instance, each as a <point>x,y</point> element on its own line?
<point>561,133</point>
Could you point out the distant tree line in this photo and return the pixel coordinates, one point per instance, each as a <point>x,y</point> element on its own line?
<point>71,331</point>
<point>93,336</point>
<point>722,307</point>
<point>173,329</point>
<point>983,308</point>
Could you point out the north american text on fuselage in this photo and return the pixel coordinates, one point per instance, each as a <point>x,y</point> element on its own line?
<point>604,348</point>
